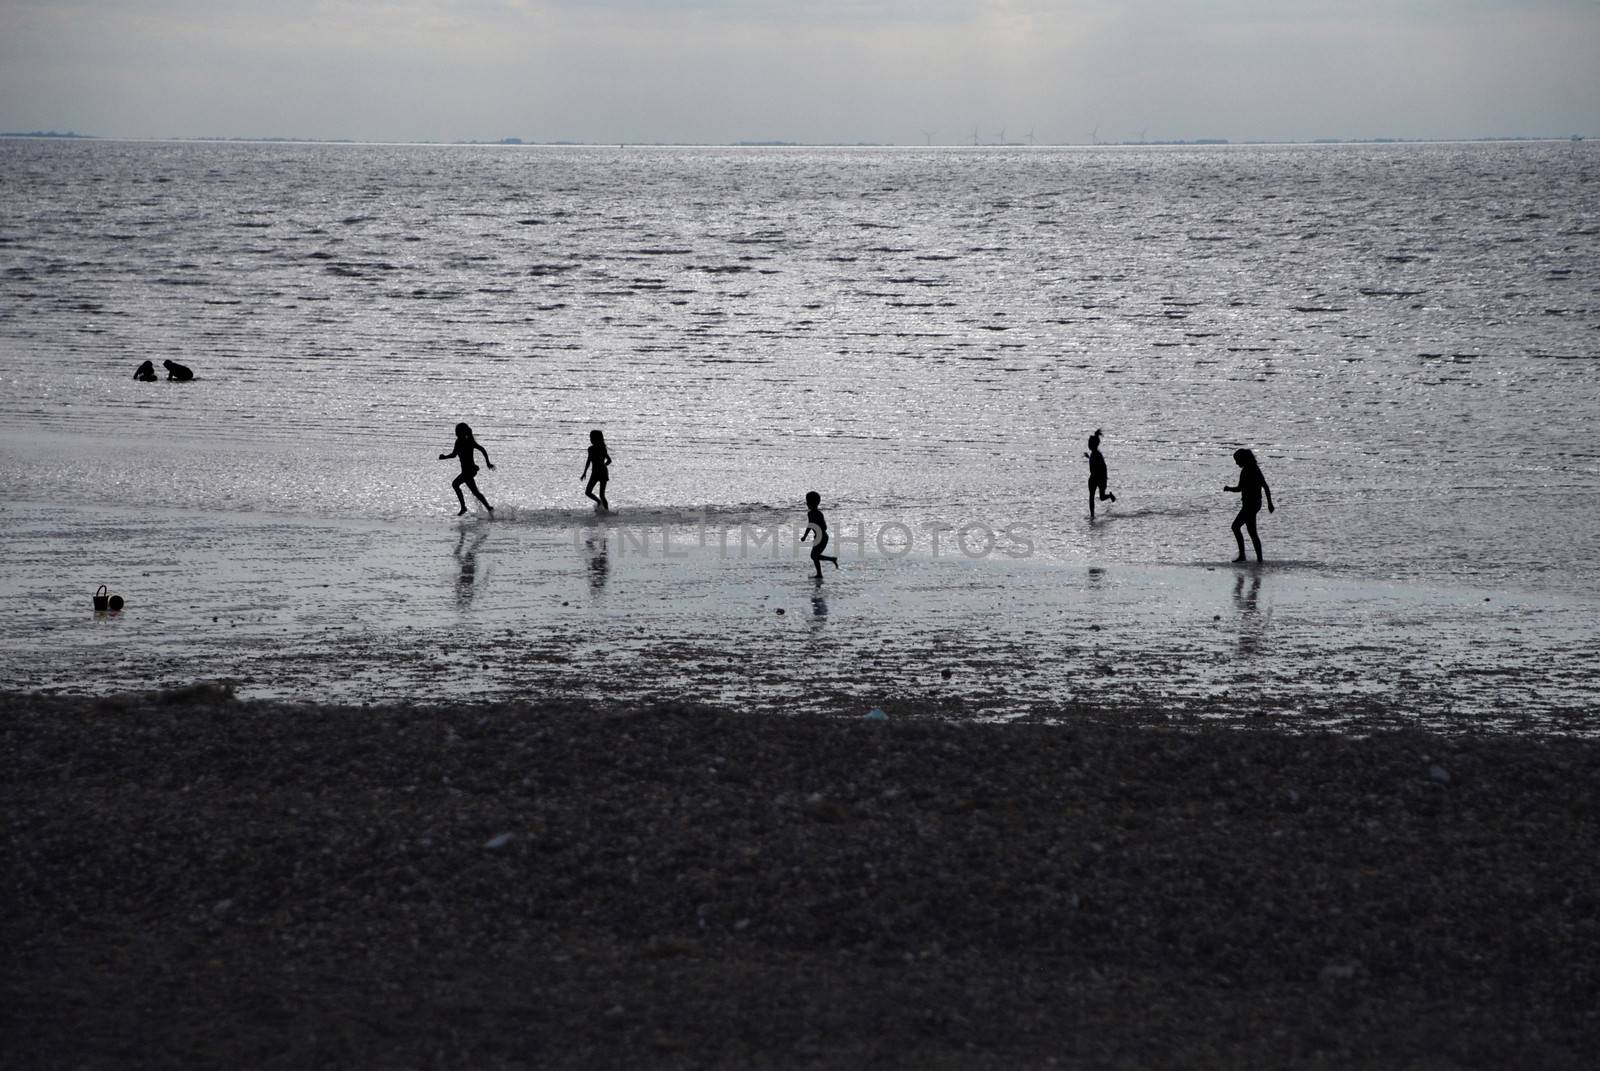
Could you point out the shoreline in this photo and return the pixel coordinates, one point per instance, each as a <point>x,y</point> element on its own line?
<point>325,611</point>
<point>197,879</point>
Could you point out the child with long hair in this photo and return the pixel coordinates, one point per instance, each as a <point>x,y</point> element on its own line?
<point>600,460</point>
<point>465,445</point>
<point>1250,487</point>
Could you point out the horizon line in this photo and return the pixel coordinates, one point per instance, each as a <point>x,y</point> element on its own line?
<point>515,142</point>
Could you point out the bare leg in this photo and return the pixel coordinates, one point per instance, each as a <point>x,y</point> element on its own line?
<point>472,485</point>
<point>1254,538</point>
<point>818,557</point>
<point>455,485</point>
<point>1091,501</point>
<point>1238,537</point>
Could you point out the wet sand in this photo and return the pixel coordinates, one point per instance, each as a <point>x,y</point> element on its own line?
<point>634,609</point>
<point>197,881</point>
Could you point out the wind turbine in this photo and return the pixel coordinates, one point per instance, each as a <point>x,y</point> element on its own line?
<point>974,135</point>
<point>1001,137</point>
<point>927,136</point>
<point>1094,136</point>
<point>1030,136</point>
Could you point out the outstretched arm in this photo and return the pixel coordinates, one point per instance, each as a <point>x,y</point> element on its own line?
<point>485,454</point>
<point>451,454</point>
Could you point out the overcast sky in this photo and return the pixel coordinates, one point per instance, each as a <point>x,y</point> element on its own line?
<point>813,71</point>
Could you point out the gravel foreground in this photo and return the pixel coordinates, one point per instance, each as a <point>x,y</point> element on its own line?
<point>192,881</point>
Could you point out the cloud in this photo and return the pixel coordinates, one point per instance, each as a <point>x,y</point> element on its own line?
<point>711,70</point>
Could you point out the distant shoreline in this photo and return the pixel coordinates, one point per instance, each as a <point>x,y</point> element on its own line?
<point>513,142</point>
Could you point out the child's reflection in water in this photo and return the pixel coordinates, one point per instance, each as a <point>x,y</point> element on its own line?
<point>1251,624</point>
<point>467,555</point>
<point>598,547</point>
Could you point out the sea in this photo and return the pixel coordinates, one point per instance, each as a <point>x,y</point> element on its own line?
<point>1407,336</point>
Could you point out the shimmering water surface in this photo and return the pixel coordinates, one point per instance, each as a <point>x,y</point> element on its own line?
<point>1407,335</point>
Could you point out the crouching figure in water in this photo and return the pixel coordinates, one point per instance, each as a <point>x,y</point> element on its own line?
<point>180,373</point>
<point>465,445</point>
<point>1250,488</point>
<point>145,373</point>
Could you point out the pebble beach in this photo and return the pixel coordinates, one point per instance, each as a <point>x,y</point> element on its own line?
<point>197,880</point>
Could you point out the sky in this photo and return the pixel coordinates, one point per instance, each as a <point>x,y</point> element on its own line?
<point>822,71</point>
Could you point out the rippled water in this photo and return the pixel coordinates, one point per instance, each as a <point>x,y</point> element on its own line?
<point>1409,336</point>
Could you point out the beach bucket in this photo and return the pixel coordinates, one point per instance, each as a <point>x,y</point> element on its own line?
<point>101,600</point>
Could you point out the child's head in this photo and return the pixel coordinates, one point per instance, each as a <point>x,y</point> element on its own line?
<point>1243,458</point>
<point>596,437</point>
<point>813,500</point>
<point>463,432</point>
<point>1094,440</point>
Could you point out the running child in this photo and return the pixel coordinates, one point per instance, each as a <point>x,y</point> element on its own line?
<point>465,445</point>
<point>1097,473</point>
<point>817,525</point>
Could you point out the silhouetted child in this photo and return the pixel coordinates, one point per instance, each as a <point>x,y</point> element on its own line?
<point>817,525</point>
<point>145,373</point>
<point>600,461</point>
<point>1250,488</point>
<point>465,445</point>
<point>178,372</point>
<point>1097,473</point>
